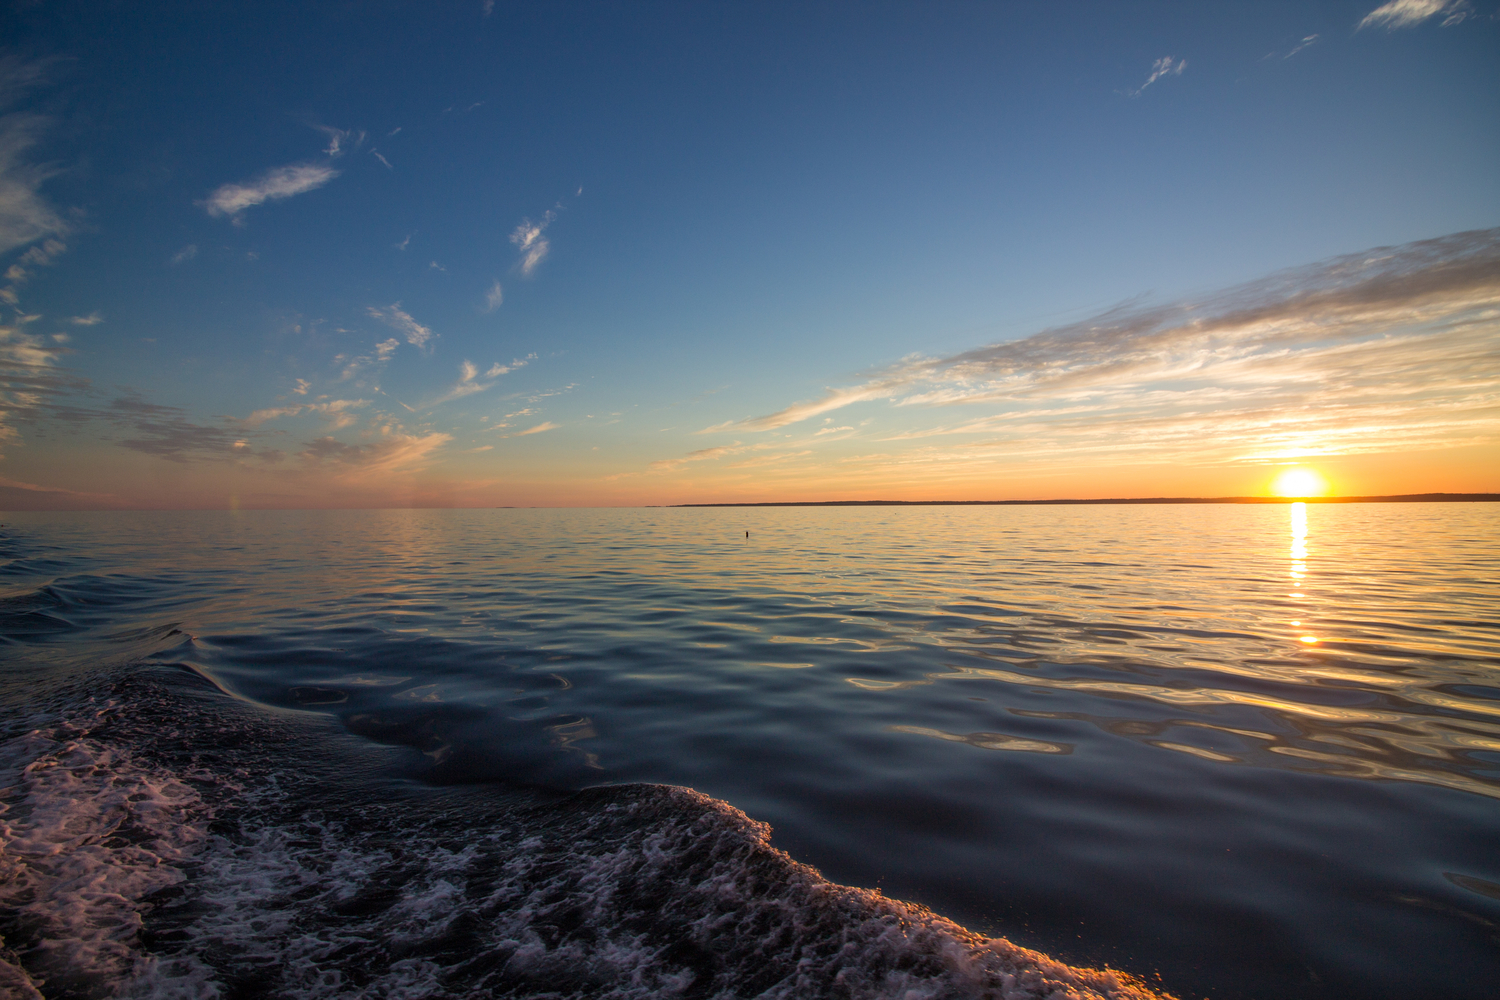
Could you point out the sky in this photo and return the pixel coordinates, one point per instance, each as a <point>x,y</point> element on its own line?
<point>382,254</point>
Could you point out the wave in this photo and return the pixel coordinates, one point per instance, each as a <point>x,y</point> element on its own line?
<point>158,840</point>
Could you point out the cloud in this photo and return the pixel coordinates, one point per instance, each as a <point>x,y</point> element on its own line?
<point>32,387</point>
<point>494,297</point>
<point>393,451</point>
<point>539,428</point>
<point>468,379</point>
<point>1390,347</point>
<point>487,8</point>
<point>166,432</point>
<point>498,369</point>
<point>273,185</point>
<point>1309,40</point>
<point>1165,66</point>
<point>834,399</point>
<point>467,384</point>
<point>386,348</point>
<point>25,214</point>
<point>339,138</point>
<point>400,320</point>
<point>701,455</point>
<point>337,410</point>
<point>184,255</point>
<point>531,244</point>
<point>403,244</point>
<point>376,153</point>
<point>301,387</point>
<point>92,319</point>
<point>1409,13</point>
<point>43,255</point>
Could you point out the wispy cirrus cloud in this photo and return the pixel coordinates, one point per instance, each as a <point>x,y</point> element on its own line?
<point>26,215</point>
<point>530,242</point>
<point>44,254</point>
<point>1410,13</point>
<point>1165,66</point>
<point>469,380</point>
<point>494,297</point>
<point>1306,41</point>
<point>701,455</point>
<point>338,411</point>
<point>1368,351</point>
<point>498,369</point>
<point>340,140</point>
<point>401,321</point>
<point>391,450</point>
<point>273,185</point>
<point>32,387</point>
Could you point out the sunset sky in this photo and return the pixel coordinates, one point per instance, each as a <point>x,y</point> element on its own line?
<point>486,253</point>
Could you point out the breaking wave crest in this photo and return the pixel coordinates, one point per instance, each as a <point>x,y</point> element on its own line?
<point>154,845</point>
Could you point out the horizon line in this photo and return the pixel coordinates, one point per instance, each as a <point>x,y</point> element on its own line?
<point>1392,498</point>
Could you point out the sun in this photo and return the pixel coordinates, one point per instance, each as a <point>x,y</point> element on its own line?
<point>1299,481</point>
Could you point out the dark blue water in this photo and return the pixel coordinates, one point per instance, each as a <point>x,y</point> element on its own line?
<point>1234,751</point>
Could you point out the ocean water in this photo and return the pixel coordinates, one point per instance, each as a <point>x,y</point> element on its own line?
<point>1226,751</point>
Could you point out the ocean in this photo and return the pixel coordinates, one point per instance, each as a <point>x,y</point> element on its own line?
<point>1223,751</point>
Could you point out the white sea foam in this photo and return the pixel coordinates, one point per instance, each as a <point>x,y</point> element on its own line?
<point>626,892</point>
<point>86,836</point>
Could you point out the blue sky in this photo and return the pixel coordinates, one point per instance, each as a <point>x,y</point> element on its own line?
<point>283,255</point>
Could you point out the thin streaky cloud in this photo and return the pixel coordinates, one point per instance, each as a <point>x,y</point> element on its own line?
<point>497,369</point>
<point>376,153</point>
<point>25,213</point>
<point>184,255</point>
<point>1309,40</point>
<point>1165,66</point>
<point>339,138</point>
<point>469,379</point>
<point>701,455</point>
<point>44,254</point>
<point>336,410</point>
<point>392,451</point>
<point>1393,335</point>
<point>1410,13</point>
<point>494,297</point>
<point>401,321</point>
<point>530,242</point>
<point>92,319</point>
<point>538,429</point>
<point>273,185</point>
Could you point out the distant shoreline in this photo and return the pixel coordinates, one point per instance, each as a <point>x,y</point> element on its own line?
<point>1401,498</point>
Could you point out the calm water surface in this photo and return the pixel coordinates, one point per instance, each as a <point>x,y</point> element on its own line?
<point>1254,750</point>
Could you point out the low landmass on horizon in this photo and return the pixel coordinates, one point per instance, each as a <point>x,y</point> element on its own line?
<point>1398,498</point>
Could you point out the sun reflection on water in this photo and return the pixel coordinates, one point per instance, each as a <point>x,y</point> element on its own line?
<point>1298,572</point>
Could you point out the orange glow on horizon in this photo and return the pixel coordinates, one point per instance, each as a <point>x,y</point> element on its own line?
<point>1299,481</point>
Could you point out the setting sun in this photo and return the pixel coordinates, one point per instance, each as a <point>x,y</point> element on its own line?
<point>1299,482</point>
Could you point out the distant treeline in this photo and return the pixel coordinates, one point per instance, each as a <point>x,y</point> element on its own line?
<point>1403,498</point>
